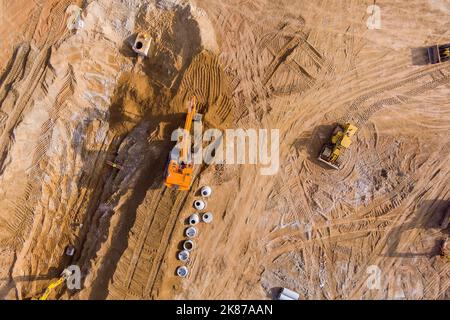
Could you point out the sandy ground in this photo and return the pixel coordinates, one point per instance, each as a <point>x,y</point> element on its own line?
<point>73,99</point>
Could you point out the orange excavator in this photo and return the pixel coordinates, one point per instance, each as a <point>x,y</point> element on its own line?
<point>180,167</point>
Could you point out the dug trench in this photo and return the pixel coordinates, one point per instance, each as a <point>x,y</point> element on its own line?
<point>140,125</point>
<point>119,221</point>
<point>134,257</point>
<point>132,217</point>
<point>141,119</point>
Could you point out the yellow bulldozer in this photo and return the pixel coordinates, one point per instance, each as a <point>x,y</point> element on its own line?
<point>341,139</point>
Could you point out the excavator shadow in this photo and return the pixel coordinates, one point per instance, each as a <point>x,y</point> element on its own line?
<point>185,43</point>
<point>428,217</point>
<point>144,170</point>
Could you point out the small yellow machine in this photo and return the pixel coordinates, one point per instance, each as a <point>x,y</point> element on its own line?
<point>114,165</point>
<point>341,139</point>
<point>64,276</point>
<point>180,167</point>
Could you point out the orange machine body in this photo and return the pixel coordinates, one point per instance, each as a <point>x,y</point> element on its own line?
<point>180,167</point>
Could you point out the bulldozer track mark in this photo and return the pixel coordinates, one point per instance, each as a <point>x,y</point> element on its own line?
<point>142,235</point>
<point>32,80</point>
<point>14,70</point>
<point>155,221</point>
<point>435,283</point>
<point>206,80</point>
<point>39,154</point>
<point>322,231</point>
<point>382,242</point>
<point>66,91</point>
<point>164,243</point>
<point>385,204</point>
<point>56,21</point>
<point>234,79</point>
<point>297,245</point>
<point>18,225</point>
<point>280,57</point>
<point>35,75</point>
<point>382,210</point>
<point>295,46</point>
<point>387,207</point>
<point>33,22</point>
<point>424,81</point>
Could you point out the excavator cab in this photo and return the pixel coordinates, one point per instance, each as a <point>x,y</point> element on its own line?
<point>341,139</point>
<point>179,176</point>
<point>180,167</point>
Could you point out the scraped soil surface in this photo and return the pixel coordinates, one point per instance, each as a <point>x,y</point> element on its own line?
<point>74,98</point>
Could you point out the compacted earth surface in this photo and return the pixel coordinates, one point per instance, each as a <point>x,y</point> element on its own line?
<point>74,98</point>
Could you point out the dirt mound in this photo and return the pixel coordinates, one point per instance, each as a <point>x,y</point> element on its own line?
<point>133,100</point>
<point>206,80</point>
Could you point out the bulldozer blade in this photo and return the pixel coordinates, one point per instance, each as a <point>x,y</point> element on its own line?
<point>328,163</point>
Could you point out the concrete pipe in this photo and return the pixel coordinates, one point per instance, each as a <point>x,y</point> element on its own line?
<point>284,297</point>
<point>142,44</point>
<point>183,255</point>
<point>286,294</point>
<point>193,219</point>
<point>191,232</point>
<point>206,191</point>
<point>188,245</point>
<point>182,271</point>
<point>207,217</point>
<point>199,204</point>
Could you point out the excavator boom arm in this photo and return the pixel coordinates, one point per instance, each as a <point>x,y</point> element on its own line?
<point>52,286</point>
<point>187,129</point>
